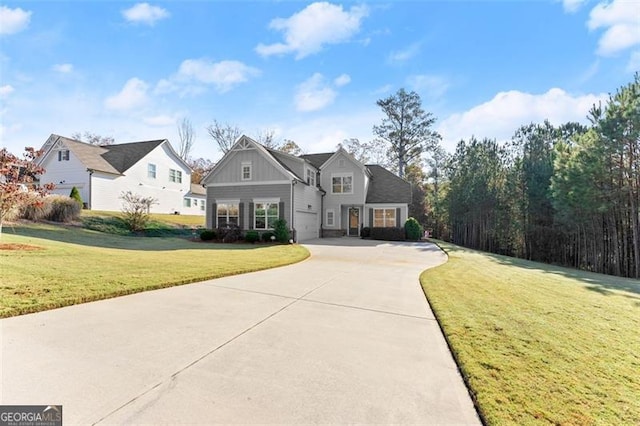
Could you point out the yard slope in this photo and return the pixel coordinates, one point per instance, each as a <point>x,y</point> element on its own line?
<point>540,344</point>
<point>67,265</point>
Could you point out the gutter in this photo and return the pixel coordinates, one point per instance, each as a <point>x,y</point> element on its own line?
<point>90,191</point>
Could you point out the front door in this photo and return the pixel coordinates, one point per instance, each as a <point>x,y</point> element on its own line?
<point>354,221</point>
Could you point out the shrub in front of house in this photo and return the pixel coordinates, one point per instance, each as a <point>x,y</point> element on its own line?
<point>281,231</point>
<point>388,234</point>
<point>252,236</point>
<point>365,232</point>
<point>229,233</point>
<point>208,235</point>
<point>266,236</point>
<point>35,208</point>
<point>63,209</point>
<point>75,194</point>
<point>413,229</point>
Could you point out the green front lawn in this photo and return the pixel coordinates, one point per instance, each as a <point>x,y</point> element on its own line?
<point>70,265</point>
<point>540,344</point>
<point>172,219</point>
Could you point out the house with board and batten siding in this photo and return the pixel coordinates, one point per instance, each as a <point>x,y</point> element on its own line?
<point>319,195</point>
<point>102,173</point>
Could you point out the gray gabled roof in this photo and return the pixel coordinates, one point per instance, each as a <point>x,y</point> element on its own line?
<point>317,160</point>
<point>385,187</point>
<point>114,159</point>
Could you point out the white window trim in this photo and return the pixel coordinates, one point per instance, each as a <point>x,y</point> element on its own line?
<point>342,175</point>
<point>275,201</point>
<point>311,177</point>
<point>333,218</point>
<point>177,173</point>
<point>242,166</point>
<point>155,171</point>
<point>218,202</point>
<point>384,219</point>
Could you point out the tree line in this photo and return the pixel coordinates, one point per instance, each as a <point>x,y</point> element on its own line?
<point>566,194</point>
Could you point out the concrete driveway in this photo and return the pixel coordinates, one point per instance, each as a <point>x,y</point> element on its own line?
<point>343,337</point>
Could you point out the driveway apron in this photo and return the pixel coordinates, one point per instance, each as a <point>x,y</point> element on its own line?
<point>343,337</point>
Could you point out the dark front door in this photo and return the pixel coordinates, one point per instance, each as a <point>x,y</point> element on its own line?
<point>354,221</point>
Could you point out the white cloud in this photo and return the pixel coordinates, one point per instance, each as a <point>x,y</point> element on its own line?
<point>144,13</point>
<point>314,94</point>
<point>572,6</point>
<point>6,90</point>
<point>63,68</point>
<point>160,120</point>
<point>500,117</point>
<point>431,86</point>
<point>132,95</point>
<point>319,24</point>
<point>404,54</point>
<point>634,62</point>
<point>342,80</point>
<point>620,20</point>
<point>224,75</point>
<point>13,20</point>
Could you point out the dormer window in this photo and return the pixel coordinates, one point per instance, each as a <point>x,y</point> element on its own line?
<point>63,155</point>
<point>246,171</point>
<point>342,183</point>
<point>311,177</point>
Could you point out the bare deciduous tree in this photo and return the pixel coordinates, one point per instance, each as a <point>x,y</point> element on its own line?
<point>93,138</point>
<point>186,135</point>
<point>224,134</point>
<point>267,138</point>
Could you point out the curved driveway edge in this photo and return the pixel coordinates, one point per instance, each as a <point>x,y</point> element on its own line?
<point>346,336</point>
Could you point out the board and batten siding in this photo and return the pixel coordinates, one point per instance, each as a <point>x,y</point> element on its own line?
<point>262,170</point>
<point>65,175</point>
<point>246,194</point>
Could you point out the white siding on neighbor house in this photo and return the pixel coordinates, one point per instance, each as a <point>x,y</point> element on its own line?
<point>197,207</point>
<point>262,170</point>
<point>65,175</point>
<point>107,189</point>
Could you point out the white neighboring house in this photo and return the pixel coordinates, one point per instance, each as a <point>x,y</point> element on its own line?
<point>103,173</point>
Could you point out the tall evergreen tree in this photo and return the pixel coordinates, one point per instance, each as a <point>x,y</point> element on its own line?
<point>405,128</point>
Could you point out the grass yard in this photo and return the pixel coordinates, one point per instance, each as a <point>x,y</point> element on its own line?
<point>53,266</point>
<point>173,219</point>
<point>540,344</point>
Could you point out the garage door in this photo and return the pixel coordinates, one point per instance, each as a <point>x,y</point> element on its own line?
<point>306,225</point>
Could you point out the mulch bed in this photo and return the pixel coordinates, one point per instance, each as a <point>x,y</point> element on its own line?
<point>23,247</point>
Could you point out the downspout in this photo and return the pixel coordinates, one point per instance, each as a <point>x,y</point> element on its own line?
<point>293,183</point>
<point>323,192</point>
<point>90,192</point>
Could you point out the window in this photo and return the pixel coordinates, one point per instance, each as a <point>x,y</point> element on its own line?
<point>63,155</point>
<point>342,184</point>
<point>202,206</point>
<point>151,171</point>
<point>195,202</point>
<point>311,177</point>
<point>246,171</point>
<point>331,217</point>
<point>187,202</point>
<point>384,218</point>
<point>265,215</point>
<point>228,214</point>
<point>175,176</point>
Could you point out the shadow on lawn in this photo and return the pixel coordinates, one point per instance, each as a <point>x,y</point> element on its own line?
<point>81,236</point>
<point>599,283</point>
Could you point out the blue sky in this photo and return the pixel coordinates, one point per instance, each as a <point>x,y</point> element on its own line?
<point>311,72</point>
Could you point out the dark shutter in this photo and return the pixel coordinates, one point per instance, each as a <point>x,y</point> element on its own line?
<point>371,218</point>
<point>281,210</point>
<point>214,215</point>
<point>398,217</point>
<point>241,214</point>
<point>250,216</point>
